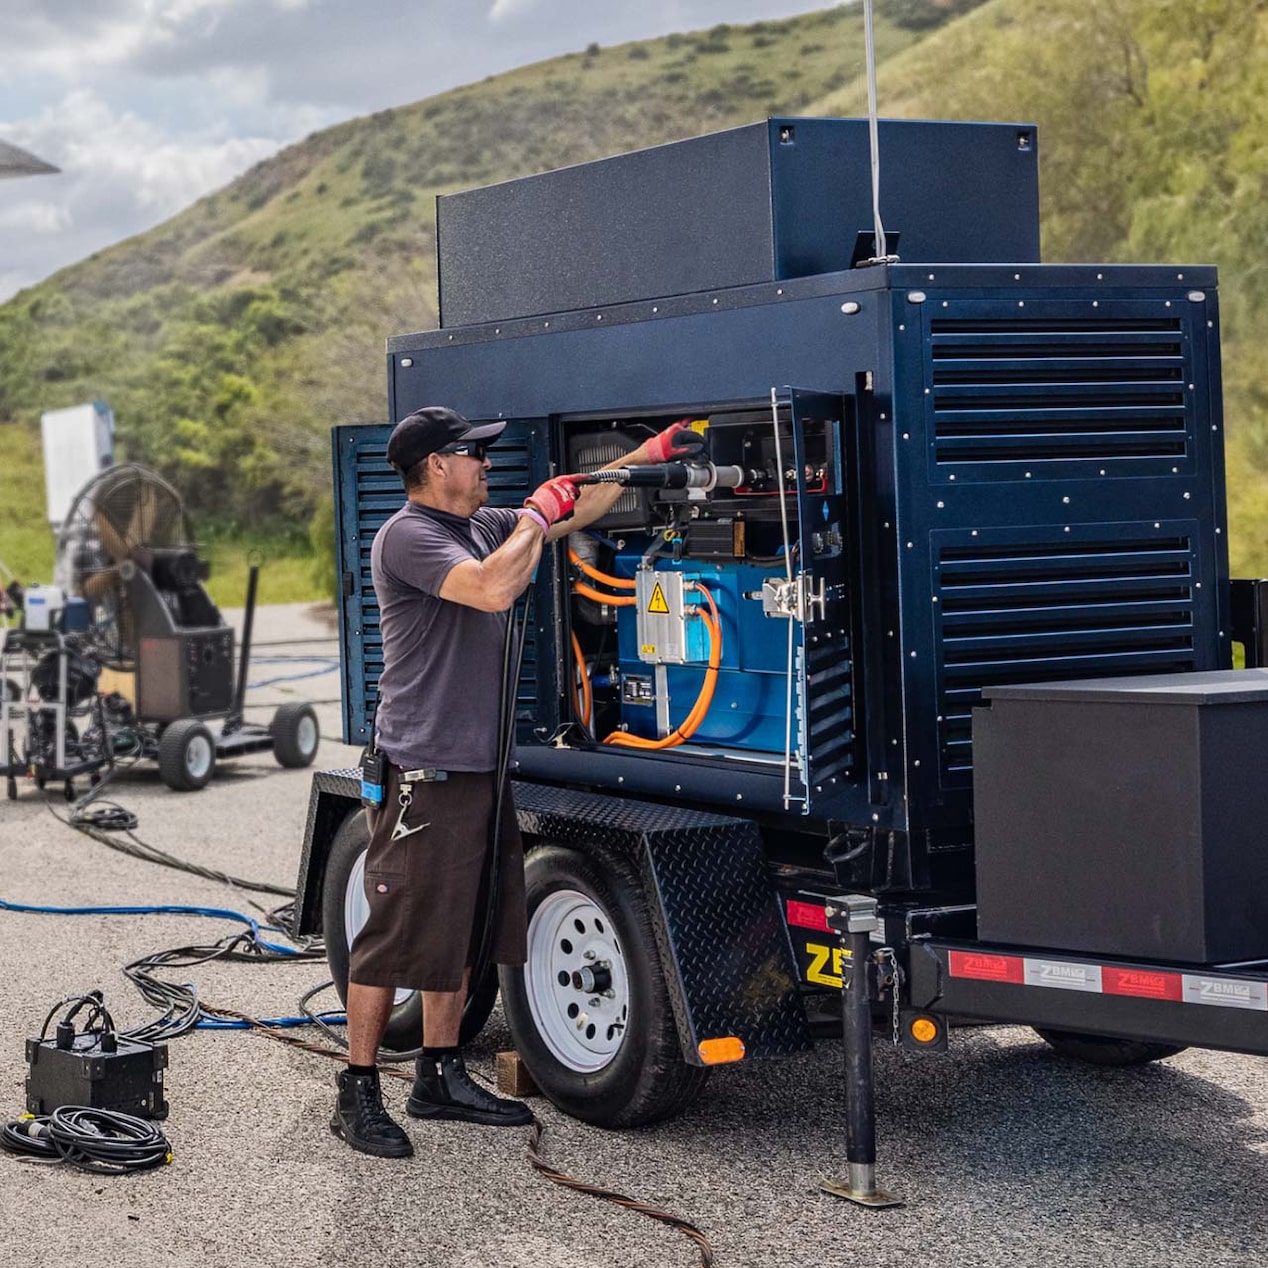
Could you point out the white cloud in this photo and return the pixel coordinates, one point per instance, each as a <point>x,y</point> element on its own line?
<point>509,8</point>
<point>121,174</point>
<point>35,216</point>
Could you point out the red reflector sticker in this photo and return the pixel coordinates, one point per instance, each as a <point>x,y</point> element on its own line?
<point>807,916</point>
<point>1143,982</point>
<point>987,968</point>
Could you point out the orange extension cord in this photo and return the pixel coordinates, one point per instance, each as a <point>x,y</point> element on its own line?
<point>688,727</point>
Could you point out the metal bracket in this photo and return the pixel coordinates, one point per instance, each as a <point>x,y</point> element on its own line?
<point>795,598</point>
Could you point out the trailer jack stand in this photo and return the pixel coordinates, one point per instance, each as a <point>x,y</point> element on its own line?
<point>854,916</point>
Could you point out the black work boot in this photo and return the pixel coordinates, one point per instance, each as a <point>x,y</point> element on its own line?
<point>444,1089</point>
<point>361,1120</point>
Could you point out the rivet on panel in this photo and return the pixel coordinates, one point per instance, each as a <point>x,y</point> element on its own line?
<point>406,362</point>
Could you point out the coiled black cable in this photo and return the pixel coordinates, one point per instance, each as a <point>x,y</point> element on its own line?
<point>105,1142</point>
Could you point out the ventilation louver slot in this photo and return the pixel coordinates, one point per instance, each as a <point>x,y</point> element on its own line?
<point>1014,613</point>
<point>1038,390</point>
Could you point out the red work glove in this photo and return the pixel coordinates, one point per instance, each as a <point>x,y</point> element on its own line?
<point>676,442</point>
<point>554,500</point>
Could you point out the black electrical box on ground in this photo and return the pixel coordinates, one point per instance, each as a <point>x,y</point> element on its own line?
<point>128,1080</point>
<point>1122,816</point>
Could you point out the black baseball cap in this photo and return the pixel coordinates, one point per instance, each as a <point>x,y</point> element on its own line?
<point>430,429</point>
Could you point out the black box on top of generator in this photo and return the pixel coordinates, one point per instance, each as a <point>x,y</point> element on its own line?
<point>129,1080</point>
<point>765,202</point>
<point>1125,816</point>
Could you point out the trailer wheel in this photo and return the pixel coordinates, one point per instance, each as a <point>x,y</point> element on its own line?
<point>589,1011</point>
<point>345,910</point>
<point>295,734</point>
<point>1103,1050</point>
<point>186,755</point>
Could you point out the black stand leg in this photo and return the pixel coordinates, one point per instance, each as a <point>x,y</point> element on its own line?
<point>854,917</point>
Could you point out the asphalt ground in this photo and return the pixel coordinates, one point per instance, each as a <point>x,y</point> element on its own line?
<point>1004,1152</point>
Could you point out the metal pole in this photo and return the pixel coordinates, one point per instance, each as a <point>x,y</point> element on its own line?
<point>854,916</point>
<point>234,720</point>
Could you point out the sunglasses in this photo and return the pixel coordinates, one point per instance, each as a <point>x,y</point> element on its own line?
<point>477,451</point>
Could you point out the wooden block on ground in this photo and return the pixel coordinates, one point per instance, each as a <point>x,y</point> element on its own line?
<point>513,1076</point>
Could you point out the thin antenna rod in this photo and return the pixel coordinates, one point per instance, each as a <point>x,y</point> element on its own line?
<point>873,136</point>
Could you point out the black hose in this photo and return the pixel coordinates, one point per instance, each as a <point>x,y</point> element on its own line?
<point>512,660</point>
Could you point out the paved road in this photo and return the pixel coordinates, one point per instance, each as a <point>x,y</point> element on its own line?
<point>1005,1153</point>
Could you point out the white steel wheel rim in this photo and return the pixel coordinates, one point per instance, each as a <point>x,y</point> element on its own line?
<point>582,1028</point>
<point>306,735</point>
<point>198,756</point>
<point>356,911</point>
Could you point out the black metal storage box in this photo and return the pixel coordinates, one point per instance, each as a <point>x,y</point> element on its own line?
<point>1126,816</point>
<point>766,202</point>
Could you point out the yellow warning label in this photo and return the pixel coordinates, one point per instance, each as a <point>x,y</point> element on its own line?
<point>657,602</point>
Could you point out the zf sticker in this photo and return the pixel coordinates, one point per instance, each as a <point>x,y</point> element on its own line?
<point>820,957</point>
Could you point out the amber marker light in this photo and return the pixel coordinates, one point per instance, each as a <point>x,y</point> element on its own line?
<point>923,1030</point>
<point>720,1051</point>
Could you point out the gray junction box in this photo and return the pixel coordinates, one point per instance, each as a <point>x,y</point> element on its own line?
<point>1125,816</point>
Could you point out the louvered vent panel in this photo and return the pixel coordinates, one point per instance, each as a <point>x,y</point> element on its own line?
<point>831,721</point>
<point>1014,613</point>
<point>1039,390</point>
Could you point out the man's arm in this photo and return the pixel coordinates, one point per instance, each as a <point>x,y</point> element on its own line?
<point>676,441</point>
<point>492,584</point>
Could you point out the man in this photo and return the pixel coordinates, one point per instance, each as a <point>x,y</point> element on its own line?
<point>447,569</point>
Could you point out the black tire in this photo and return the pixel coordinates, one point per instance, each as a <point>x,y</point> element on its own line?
<point>295,735</point>
<point>186,755</point>
<point>405,1025</point>
<point>628,1069</point>
<point>1106,1051</point>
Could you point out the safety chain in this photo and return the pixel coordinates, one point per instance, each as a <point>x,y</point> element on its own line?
<point>889,975</point>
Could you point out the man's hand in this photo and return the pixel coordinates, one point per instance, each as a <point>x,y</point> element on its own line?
<point>678,441</point>
<point>554,500</point>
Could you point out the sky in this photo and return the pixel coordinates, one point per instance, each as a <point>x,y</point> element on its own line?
<point>146,105</point>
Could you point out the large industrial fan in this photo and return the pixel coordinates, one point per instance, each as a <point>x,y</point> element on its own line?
<point>125,554</point>
<point>125,549</point>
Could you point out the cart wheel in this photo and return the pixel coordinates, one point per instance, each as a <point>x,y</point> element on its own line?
<point>68,790</point>
<point>1104,1050</point>
<point>186,755</point>
<point>295,734</point>
<point>589,1011</point>
<point>344,913</point>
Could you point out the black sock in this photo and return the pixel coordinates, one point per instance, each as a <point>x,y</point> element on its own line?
<point>360,1069</point>
<point>434,1054</point>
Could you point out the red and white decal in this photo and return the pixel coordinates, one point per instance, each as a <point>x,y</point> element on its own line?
<point>1107,979</point>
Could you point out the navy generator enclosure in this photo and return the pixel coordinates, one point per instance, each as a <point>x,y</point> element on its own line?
<point>945,476</point>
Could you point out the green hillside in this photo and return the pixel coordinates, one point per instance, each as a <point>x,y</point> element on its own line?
<point>230,339</point>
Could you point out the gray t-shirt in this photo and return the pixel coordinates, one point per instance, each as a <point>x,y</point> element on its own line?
<point>441,686</point>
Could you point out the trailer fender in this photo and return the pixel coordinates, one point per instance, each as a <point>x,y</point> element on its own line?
<point>724,948</point>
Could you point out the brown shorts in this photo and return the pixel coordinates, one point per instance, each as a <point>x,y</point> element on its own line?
<point>427,890</point>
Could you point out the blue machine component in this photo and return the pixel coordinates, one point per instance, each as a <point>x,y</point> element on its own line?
<point>749,703</point>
